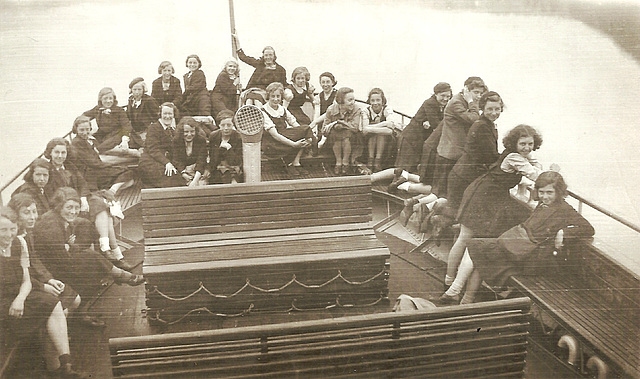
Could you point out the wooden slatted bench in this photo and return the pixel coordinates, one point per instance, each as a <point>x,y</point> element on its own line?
<point>228,249</point>
<point>595,301</point>
<point>486,340</point>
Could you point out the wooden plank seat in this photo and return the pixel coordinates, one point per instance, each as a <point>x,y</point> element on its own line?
<point>597,303</point>
<point>227,249</point>
<point>485,340</point>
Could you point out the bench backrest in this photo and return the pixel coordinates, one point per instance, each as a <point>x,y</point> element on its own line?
<point>170,212</point>
<point>479,340</point>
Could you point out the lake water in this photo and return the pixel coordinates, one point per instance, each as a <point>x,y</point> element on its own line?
<point>569,81</point>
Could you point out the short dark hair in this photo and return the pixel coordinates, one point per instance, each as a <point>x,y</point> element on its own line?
<point>342,92</point>
<point>20,200</point>
<point>490,96</point>
<point>377,91</point>
<point>9,214</point>
<point>330,76</point>
<point>187,121</point>
<point>474,82</point>
<point>223,115</point>
<point>510,141</point>
<point>79,120</point>
<point>53,143</point>
<point>38,162</point>
<point>554,178</point>
<point>62,195</point>
<point>196,58</point>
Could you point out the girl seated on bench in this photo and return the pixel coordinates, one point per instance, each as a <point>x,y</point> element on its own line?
<point>62,241</point>
<point>528,247</point>
<point>195,99</point>
<point>225,151</point>
<point>114,127</point>
<point>380,129</point>
<point>24,309</point>
<point>285,137</point>
<point>343,129</point>
<point>190,152</point>
<point>34,184</point>
<point>157,168</point>
<point>298,93</point>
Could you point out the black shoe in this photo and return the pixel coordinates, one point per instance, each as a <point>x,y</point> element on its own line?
<point>292,171</point>
<point>68,372</point>
<point>302,171</point>
<point>133,280</point>
<point>91,321</point>
<point>121,263</point>
<point>445,300</point>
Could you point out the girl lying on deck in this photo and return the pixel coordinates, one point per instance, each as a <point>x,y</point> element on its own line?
<point>526,248</point>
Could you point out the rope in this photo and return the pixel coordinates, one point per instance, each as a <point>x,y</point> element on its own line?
<point>251,307</point>
<point>294,280</point>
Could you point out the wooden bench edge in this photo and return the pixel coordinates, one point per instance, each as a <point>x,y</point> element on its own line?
<point>267,261</point>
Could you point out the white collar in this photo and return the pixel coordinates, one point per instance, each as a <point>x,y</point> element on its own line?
<point>172,126</point>
<point>274,112</point>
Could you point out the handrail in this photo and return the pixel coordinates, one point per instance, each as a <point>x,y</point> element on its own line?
<point>17,176</point>
<point>581,200</point>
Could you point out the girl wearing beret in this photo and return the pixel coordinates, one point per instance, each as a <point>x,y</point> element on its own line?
<point>142,110</point>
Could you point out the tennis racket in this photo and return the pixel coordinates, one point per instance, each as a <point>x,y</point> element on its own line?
<point>249,122</point>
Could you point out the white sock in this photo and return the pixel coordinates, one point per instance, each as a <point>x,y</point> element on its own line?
<point>405,174</point>
<point>117,253</point>
<point>464,272</point>
<point>448,280</point>
<point>104,244</point>
<point>428,199</point>
<point>404,186</point>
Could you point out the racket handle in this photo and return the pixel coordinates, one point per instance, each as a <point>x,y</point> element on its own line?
<point>251,161</point>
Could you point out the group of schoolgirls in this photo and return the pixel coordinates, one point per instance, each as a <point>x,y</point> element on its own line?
<point>450,148</point>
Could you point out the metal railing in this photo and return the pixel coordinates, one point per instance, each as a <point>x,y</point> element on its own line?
<point>21,172</point>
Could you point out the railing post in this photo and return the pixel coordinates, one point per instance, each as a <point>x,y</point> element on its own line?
<point>264,349</point>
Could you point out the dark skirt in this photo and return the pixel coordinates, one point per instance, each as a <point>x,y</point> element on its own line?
<point>152,174</point>
<point>428,156</point>
<point>494,263</point>
<point>37,309</point>
<point>105,177</point>
<point>274,149</point>
<point>197,104</point>
<point>488,209</point>
<point>84,271</point>
<point>220,102</point>
<point>300,116</point>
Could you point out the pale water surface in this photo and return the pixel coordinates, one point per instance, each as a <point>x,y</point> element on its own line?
<point>558,75</point>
